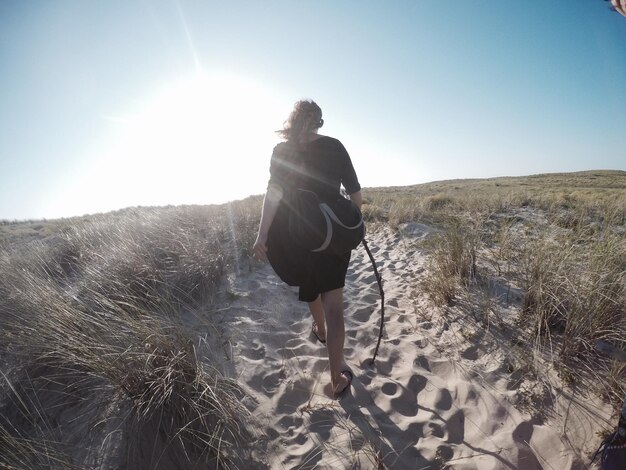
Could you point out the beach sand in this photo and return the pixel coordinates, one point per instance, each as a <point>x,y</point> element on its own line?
<point>440,395</point>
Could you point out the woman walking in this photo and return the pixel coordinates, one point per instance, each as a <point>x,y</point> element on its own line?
<point>310,161</point>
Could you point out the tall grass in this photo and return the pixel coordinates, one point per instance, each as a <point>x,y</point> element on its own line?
<point>100,369</point>
<point>595,193</point>
<point>575,290</point>
<point>453,259</point>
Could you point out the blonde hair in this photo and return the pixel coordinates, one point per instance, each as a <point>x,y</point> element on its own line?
<point>306,116</point>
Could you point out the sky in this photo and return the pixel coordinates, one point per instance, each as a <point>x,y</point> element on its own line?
<point>106,105</point>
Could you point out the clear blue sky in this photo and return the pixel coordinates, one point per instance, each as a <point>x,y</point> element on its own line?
<point>111,104</point>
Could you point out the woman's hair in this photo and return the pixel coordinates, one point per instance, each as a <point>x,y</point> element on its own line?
<point>305,117</point>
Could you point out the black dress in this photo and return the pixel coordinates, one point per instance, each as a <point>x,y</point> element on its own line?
<point>321,166</point>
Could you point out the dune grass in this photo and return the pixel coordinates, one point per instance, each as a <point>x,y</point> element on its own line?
<point>99,369</point>
<point>592,193</point>
<point>559,239</point>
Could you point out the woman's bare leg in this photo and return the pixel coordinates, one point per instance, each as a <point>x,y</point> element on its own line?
<point>332,302</point>
<point>317,311</point>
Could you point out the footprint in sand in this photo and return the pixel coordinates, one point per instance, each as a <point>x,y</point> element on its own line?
<point>426,325</point>
<point>298,440</point>
<point>374,249</point>
<point>436,430</point>
<point>366,278</point>
<point>271,433</point>
<point>444,453</point>
<point>523,432</point>
<point>411,275</point>
<point>406,402</point>
<point>389,388</point>
<point>255,353</point>
<point>414,432</point>
<point>456,427</point>
<point>442,368</point>
<point>470,353</point>
<point>322,422</point>
<point>308,456</point>
<point>290,421</point>
<point>416,384</point>
<point>516,378</point>
<point>362,314</point>
<point>293,397</point>
<point>421,362</point>
<point>370,298</point>
<point>385,367</point>
<point>269,381</point>
<point>298,348</point>
<point>352,333</point>
<point>443,400</point>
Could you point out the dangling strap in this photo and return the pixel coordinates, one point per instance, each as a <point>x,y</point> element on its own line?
<point>329,232</point>
<point>602,446</point>
<point>379,279</point>
<point>328,215</point>
<point>327,210</point>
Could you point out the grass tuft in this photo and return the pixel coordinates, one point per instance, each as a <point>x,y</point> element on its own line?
<point>101,369</point>
<point>554,243</point>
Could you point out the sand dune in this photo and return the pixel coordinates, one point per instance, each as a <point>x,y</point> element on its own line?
<point>432,399</point>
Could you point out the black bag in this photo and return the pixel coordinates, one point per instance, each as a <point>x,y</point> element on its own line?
<point>325,227</point>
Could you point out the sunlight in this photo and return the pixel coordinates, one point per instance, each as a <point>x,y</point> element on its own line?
<point>202,140</point>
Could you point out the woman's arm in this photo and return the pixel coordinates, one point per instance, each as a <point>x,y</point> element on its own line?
<point>357,198</point>
<point>270,206</point>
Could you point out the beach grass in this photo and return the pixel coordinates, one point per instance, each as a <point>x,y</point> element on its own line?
<point>559,239</point>
<point>99,367</point>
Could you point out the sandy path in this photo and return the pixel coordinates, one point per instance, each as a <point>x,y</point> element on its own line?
<point>419,407</point>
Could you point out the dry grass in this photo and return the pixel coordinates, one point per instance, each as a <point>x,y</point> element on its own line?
<point>453,260</point>
<point>594,193</point>
<point>558,238</point>
<point>98,368</point>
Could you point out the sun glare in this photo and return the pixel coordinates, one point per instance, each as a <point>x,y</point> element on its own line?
<point>201,140</point>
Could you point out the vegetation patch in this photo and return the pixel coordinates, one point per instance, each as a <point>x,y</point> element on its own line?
<point>552,245</point>
<point>98,368</point>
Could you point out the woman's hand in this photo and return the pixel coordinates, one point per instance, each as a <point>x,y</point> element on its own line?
<point>357,198</point>
<point>259,250</point>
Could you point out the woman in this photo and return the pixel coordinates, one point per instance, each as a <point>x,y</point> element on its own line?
<point>320,164</point>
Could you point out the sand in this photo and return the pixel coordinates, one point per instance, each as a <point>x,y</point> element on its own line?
<point>440,395</point>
